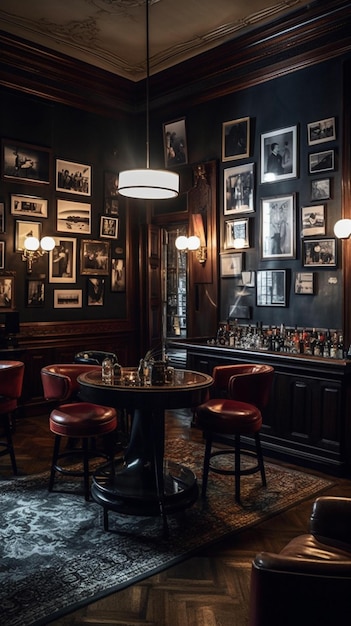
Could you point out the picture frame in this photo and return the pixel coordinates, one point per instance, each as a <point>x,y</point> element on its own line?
<point>271,288</point>
<point>25,229</point>
<point>73,217</point>
<point>236,234</point>
<point>118,275</point>
<point>2,217</point>
<point>231,264</point>
<point>236,139</point>
<point>279,155</point>
<point>2,255</point>
<point>320,189</point>
<point>313,220</point>
<point>28,206</point>
<point>7,291</point>
<point>319,252</point>
<point>278,227</point>
<point>25,163</point>
<point>35,292</point>
<point>95,291</point>
<point>67,298</point>
<point>94,257</point>
<point>111,198</point>
<point>175,143</point>
<point>109,227</point>
<point>321,161</point>
<point>321,131</point>
<point>63,260</point>
<point>72,177</point>
<point>304,283</point>
<point>239,189</point>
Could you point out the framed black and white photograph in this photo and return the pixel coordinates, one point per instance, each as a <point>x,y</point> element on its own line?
<point>231,264</point>
<point>7,290</point>
<point>2,217</point>
<point>236,139</point>
<point>25,163</point>
<point>175,143</point>
<point>320,189</point>
<point>118,275</point>
<point>25,229</point>
<point>73,217</point>
<point>73,177</point>
<point>111,198</point>
<point>313,220</point>
<point>2,255</point>
<point>271,287</point>
<point>236,234</point>
<point>279,155</point>
<point>35,292</point>
<point>278,227</point>
<point>95,290</point>
<point>29,206</point>
<point>239,189</point>
<point>319,252</point>
<point>321,161</point>
<point>304,283</point>
<point>109,227</point>
<point>63,261</point>
<point>67,298</point>
<point>94,257</point>
<point>321,131</point>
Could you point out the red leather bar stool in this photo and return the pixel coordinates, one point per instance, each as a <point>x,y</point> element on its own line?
<point>227,419</point>
<point>11,382</point>
<point>76,420</point>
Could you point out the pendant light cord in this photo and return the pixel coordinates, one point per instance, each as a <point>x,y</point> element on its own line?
<point>147,87</point>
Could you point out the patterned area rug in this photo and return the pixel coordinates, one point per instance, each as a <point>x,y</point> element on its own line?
<point>55,555</point>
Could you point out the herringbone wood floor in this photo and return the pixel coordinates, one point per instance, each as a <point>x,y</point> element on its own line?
<point>211,589</point>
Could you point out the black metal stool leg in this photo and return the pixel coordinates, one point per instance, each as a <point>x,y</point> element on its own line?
<point>54,461</point>
<point>85,444</point>
<point>260,459</point>
<point>206,465</point>
<point>8,434</point>
<point>237,468</point>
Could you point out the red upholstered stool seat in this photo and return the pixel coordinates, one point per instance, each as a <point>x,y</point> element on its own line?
<point>227,416</point>
<point>85,421</point>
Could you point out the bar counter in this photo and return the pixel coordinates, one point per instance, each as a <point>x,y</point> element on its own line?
<point>308,419</point>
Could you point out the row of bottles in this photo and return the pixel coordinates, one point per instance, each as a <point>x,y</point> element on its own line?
<point>312,342</point>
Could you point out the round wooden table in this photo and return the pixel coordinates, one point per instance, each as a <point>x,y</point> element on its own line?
<point>146,484</point>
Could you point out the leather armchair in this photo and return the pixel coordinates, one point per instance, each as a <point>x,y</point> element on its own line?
<point>309,582</point>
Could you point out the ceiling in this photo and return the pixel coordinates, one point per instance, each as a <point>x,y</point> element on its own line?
<point>111,34</point>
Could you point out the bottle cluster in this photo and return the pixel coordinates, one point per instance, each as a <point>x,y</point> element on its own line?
<point>311,342</point>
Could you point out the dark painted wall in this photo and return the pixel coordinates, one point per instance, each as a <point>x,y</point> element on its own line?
<point>296,99</point>
<point>77,136</point>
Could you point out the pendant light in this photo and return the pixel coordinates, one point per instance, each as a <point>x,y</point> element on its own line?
<point>148,184</point>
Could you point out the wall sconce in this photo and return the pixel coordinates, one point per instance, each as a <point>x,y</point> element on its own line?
<point>193,243</point>
<point>34,249</point>
<point>342,229</point>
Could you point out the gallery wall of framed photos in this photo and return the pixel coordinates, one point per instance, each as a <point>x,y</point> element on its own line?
<point>281,198</point>
<point>62,188</point>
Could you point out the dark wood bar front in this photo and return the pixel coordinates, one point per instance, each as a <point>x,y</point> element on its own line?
<point>308,419</point>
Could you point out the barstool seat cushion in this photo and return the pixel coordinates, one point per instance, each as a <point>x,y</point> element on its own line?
<point>226,417</point>
<point>82,419</point>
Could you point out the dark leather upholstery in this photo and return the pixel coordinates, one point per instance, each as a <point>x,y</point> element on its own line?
<point>309,581</point>
<point>238,395</point>
<point>11,383</point>
<point>76,420</point>
<point>60,380</point>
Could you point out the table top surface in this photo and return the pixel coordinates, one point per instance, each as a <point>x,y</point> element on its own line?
<point>183,380</point>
